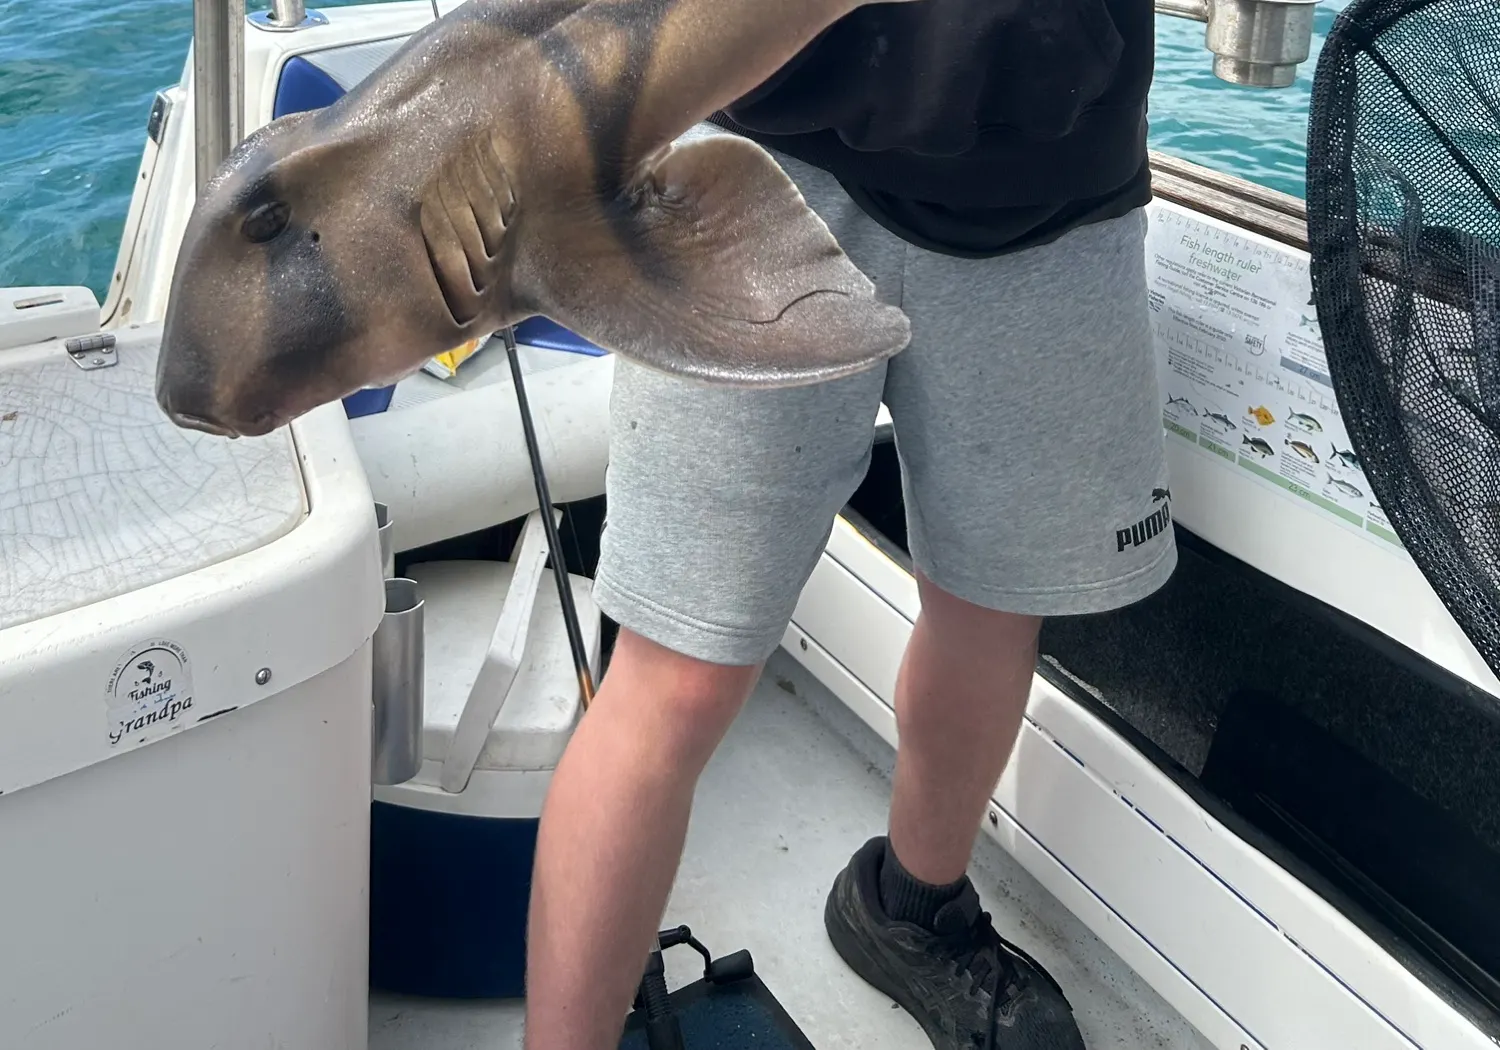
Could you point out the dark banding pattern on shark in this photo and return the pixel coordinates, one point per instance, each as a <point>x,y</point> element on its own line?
<point>516,158</point>
<point>605,103</point>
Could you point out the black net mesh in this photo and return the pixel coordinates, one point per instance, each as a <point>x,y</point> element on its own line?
<point>1403,200</point>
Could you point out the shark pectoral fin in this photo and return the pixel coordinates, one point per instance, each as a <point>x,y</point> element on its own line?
<point>727,276</point>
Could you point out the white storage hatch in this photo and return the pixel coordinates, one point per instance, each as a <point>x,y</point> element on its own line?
<point>101,495</point>
<point>245,559</point>
<point>184,707</point>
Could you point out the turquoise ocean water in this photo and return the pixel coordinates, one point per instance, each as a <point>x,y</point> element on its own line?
<point>77,78</point>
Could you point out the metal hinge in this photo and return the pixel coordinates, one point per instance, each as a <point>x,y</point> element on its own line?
<point>92,351</point>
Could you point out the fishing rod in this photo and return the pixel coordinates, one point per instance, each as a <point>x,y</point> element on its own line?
<point>662,1026</point>
<point>554,545</point>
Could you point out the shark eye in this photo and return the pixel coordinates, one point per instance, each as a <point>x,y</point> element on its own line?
<point>265,221</point>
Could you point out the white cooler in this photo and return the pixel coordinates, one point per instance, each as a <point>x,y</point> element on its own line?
<point>185,709</point>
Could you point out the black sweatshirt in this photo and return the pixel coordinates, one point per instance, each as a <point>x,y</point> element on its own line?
<point>971,127</point>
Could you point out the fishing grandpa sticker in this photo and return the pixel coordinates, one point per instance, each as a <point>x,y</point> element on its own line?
<point>150,694</point>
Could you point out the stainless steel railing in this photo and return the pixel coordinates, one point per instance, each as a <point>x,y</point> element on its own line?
<point>218,83</point>
<point>286,16</point>
<point>288,12</point>
<point>1255,43</point>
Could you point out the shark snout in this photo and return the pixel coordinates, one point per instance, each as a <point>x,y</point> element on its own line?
<point>194,406</point>
<point>191,422</point>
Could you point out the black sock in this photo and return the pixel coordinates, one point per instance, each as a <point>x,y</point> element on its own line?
<point>906,898</point>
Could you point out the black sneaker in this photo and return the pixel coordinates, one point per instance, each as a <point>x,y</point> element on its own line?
<point>967,987</point>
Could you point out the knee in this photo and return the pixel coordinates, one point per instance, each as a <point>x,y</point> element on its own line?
<point>956,621</point>
<point>682,704</point>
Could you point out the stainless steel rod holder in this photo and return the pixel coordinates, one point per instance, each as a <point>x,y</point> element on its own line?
<point>218,83</point>
<point>1255,43</point>
<point>398,666</point>
<point>385,531</point>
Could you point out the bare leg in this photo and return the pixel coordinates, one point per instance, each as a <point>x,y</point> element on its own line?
<point>960,697</point>
<point>612,834</point>
<point>903,913</point>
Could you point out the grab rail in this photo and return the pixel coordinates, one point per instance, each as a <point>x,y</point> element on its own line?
<point>218,83</point>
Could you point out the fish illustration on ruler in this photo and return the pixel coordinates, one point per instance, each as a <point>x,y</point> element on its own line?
<point>1303,449</point>
<point>1303,422</point>
<point>1259,446</point>
<point>1347,489</point>
<point>1182,401</point>
<point>1347,460</point>
<point>1222,420</point>
<point>511,160</point>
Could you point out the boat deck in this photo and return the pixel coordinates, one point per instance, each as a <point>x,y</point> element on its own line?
<point>797,786</point>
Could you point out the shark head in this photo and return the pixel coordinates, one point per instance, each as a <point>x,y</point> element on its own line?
<point>304,275</point>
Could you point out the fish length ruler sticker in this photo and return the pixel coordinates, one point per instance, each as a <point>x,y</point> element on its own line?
<point>1244,377</point>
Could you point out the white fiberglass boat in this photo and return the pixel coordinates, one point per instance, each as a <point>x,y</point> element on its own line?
<point>1200,835</point>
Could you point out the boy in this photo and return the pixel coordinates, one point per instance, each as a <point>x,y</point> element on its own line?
<point>984,163</point>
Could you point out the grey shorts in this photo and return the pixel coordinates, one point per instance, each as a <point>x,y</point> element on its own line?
<point>1027,422</point>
